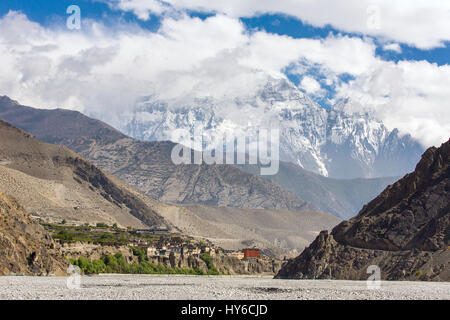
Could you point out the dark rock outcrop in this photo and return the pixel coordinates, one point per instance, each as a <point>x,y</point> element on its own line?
<point>405,231</point>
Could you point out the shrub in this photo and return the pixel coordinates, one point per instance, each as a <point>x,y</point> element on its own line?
<point>97,266</point>
<point>117,264</point>
<point>112,266</point>
<point>101,225</point>
<point>199,271</point>
<point>140,253</point>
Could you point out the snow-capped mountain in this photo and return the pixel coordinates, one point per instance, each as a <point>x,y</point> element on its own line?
<point>335,142</point>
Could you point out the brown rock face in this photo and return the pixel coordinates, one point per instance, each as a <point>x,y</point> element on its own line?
<point>25,247</point>
<point>225,264</point>
<point>405,231</point>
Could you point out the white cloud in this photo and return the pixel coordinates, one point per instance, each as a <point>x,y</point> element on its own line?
<point>421,23</point>
<point>310,85</point>
<point>47,66</point>
<point>102,71</point>
<point>410,95</point>
<point>141,8</point>
<point>101,67</point>
<point>392,47</point>
<point>340,54</point>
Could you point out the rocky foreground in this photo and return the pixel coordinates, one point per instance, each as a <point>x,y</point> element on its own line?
<point>212,287</point>
<point>405,231</point>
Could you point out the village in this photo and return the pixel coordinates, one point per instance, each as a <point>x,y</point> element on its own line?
<point>173,244</point>
<point>158,249</point>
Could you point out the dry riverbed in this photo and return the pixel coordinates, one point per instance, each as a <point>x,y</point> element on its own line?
<point>205,287</point>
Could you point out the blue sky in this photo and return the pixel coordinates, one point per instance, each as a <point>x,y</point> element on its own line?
<point>53,12</point>
<point>378,55</point>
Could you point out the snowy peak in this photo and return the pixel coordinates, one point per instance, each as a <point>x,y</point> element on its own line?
<point>280,90</point>
<point>341,142</point>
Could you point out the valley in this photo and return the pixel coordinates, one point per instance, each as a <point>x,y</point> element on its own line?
<point>224,150</point>
<point>228,207</point>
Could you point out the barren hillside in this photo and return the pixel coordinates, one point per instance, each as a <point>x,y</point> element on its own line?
<point>54,183</point>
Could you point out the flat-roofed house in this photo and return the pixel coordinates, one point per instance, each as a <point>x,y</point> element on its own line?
<point>252,253</point>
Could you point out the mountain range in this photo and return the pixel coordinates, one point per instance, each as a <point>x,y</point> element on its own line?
<point>228,204</point>
<point>339,142</point>
<point>148,167</point>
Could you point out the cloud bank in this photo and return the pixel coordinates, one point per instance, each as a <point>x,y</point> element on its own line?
<point>103,70</point>
<point>421,23</point>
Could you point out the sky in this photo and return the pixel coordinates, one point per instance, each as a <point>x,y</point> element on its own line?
<point>387,57</point>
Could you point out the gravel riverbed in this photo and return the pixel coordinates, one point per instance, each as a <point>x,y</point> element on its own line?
<point>209,287</point>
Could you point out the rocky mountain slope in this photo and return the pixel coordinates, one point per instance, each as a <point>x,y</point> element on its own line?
<point>339,142</point>
<point>405,231</point>
<point>147,166</point>
<point>279,231</point>
<point>25,247</point>
<point>54,183</point>
<point>342,198</point>
<point>63,127</point>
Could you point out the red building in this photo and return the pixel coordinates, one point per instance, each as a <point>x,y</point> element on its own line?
<point>252,253</point>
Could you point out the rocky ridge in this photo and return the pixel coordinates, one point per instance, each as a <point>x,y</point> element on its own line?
<point>405,231</point>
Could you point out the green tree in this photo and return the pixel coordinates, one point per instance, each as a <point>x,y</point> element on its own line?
<point>209,263</point>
